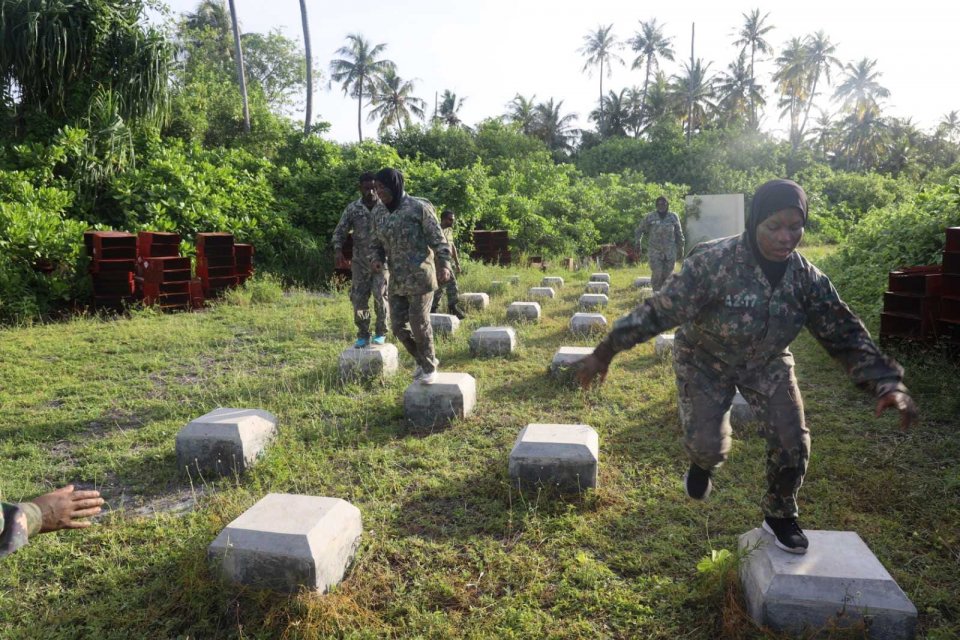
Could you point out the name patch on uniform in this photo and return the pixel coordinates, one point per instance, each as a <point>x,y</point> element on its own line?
<point>741,300</point>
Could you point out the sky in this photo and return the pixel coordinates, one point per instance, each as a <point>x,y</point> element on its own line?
<point>490,51</point>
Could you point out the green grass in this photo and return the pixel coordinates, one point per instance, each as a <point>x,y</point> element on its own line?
<point>450,548</point>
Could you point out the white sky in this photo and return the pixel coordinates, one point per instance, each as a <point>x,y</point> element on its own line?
<point>489,51</point>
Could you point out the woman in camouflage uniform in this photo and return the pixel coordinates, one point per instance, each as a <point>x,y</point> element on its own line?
<point>739,303</point>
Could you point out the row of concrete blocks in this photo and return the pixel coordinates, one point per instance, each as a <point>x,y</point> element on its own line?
<point>290,542</point>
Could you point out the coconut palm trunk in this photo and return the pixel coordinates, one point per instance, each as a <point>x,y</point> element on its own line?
<point>360,108</point>
<point>306,45</point>
<point>241,78</point>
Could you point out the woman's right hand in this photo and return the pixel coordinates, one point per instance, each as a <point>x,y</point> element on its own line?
<point>592,368</point>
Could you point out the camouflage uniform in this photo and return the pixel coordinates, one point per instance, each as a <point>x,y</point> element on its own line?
<point>735,331</point>
<point>453,292</point>
<point>664,246</point>
<point>410,237</point>
<point>17,523</point>
<point>363,280</point>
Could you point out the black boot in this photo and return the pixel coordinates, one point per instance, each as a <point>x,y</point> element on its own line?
<point>458,311</point>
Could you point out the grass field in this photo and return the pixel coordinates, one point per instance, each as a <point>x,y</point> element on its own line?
<point>450,548</point>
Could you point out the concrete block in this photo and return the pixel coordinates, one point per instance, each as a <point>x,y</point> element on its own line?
<point>286,542</point>
<point>497,287</point>
<point>452,396</point>
<point>641,282</point>
<point>600,277</point>
<point>224,441</point>
<point>493,341</point>
<point>587,323</point>
<point>475,300</point>
<point>663,345</point>
<point>645,293</point>
<point>564,455</point>
<point>566,361</point>
<point>593,300</point>
<point>514,280</point>
<point>552,281</point>
<point>542,292</point>
<point>839,573</point>
<point>525,311</point>
<point>444,324</point>
<point>376,360</point>
<point>598,287</point>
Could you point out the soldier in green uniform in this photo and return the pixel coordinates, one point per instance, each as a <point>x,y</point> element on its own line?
<point>358,216</point>
<point>408,234</point>
<point>60,509</point>
<point>447,220</point>
<point>664,244</point>
<point>739,303</point>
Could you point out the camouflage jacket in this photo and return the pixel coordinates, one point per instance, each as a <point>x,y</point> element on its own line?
<point>665,236</point>
<point>734,326</point>
<point>409,237</point>
<point>448,236</point>
<point>362,221</point>
<point>17,523</point>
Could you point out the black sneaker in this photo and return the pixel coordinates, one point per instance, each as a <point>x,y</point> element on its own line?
<point>697,482</point>
<point>787,533</point>
<point>458,311</point>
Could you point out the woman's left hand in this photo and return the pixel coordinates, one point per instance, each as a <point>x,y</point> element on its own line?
<point>903,403</point>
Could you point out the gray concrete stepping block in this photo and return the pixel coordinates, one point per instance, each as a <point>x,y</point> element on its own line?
<point>542,292</point>
<point>645,293</point>
<point>475,300</point>
<point>552,281</point>
<point>598,287</point>
<point>524,311</point>
<point>224,441</point>
<point>444,324</point>
<point>838,573</point>
<point>452,396</point>
<point>566,361</point>
<point>663,345</point>
<point>587,322</point>
<point>641,282</point>
<point>286,542</point>
<point>376,360</point>
<point>493,341</point>
<point>497,287</point>
<point>740,411</point>
<point>514,280</point>
<point>593,300</point>
<point>563,455</point>
<point>600,277</point>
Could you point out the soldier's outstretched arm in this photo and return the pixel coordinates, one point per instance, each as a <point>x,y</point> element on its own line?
<point>434,236</point>
<point>342,229</point>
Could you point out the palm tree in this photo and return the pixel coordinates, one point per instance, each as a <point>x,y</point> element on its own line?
<point>554,128</point>
<point>863,140</point>
<point>820,57</point>
<point>949,126</point>
<point>651,44</point>
<point>394,102</point>
<point>449,109</point>
<point>663,102</point>
<point>617,115</point>
<point>751,35</point>
<point>696,89</point>
<point>241,77</point>
<point>737,92</point>
<point>213,15</point>
<point>523,112</point>
<point>860,89</point>
<point>309,56</point>
<point>823,133</point>
<point>598,48</point>
<point>793,82</point>
<point>358,70</point>
<point>633,107</point>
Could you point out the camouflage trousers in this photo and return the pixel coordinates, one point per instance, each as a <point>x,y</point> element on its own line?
<point>453,294</point>
<point>365,283</point>
<point>706,429</point>
<point>660,269</point>
<point>410,321</point>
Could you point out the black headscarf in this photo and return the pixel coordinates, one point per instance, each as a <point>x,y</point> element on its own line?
<point>771,197</point>
<point>392,179</point>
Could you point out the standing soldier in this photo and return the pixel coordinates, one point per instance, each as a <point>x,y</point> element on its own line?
<point>740,302</point>
<point>447,219</point>
<point>359,216</point>
<point>409,236</point>
<point>665,243</point>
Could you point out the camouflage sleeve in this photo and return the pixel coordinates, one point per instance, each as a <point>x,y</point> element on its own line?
<point>678,234</point>
<point>679,301</point>
<point>17,523</point>
<point>641,231</point>
<point>377,251</point>
<point>343,228</point>
<point>845,338</point>
<point>434,235</point>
